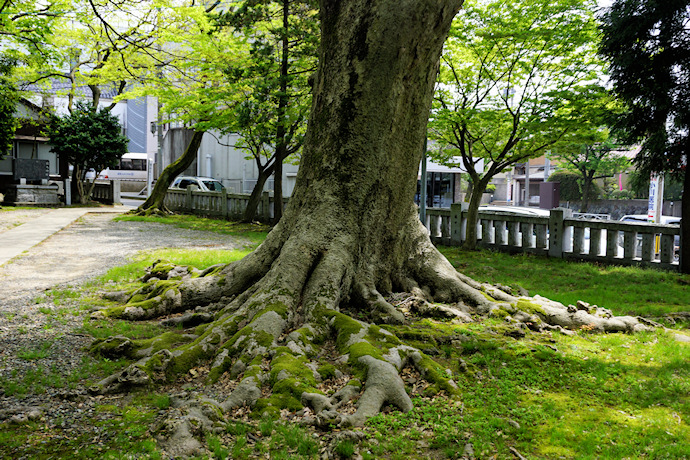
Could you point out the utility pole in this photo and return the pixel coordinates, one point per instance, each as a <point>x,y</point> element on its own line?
<point>527,182</point>
<point>422,188</point>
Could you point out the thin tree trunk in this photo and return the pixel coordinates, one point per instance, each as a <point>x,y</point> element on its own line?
<point>586,187</point>
<point>156,201</point>
<point>685,226</point>
<point>257,191</point>
<point>473,213</point>
<point>281,134</point>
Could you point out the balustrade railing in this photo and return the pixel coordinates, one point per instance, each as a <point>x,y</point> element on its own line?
<point>218,204</point>
<point>558,235</point>
<point>562,235</point>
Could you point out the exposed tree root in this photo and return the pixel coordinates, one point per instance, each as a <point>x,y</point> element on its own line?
<point>271,333</point>
<point>161,211</point>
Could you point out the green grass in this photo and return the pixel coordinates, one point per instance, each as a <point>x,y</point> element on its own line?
<point>37,379</point>
<point>200,259</point>
<point>624,290</point>
<point>7,208</point>
<point>121,432</point>
<point>39,352</point>
<point>252,232</point>
<point>594,396</point>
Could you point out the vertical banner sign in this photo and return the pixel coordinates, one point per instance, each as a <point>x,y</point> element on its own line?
<point>652,210</point>
<point>149,176</point>
<point>509,189</point>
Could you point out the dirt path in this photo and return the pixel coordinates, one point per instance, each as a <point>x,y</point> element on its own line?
<point>37,339</point>
<point>88,248</point>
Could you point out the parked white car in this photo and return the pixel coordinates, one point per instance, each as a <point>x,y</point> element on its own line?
<point>669,220</point>
<point>204,184</point>
<point>516,210</point>
<point>643,218</point>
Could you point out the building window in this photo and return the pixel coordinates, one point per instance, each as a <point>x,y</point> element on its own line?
<point>439,190</point>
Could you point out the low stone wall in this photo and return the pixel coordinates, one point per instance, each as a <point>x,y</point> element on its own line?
<point>220,204</point>
<point>32,195</point>
<point>619,208</point>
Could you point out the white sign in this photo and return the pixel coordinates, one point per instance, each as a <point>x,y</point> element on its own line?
<point>656,193</point>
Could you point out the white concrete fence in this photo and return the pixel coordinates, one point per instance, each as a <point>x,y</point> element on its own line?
<point>561,235</point>
<point>218,204</point>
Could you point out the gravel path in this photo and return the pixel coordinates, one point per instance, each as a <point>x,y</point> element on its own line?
<point>36,342</point>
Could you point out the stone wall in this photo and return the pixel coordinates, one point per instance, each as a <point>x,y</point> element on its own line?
<point>620,208</point>
<point>32,195</point>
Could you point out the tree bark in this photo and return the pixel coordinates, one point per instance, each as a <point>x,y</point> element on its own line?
<point>156,201</point>
<point>685,226</point>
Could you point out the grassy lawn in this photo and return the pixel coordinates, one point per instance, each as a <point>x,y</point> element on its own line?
<point>624,290</point>
<point>543,396</point>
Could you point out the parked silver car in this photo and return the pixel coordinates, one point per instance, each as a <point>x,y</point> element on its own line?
<point>204,184</point>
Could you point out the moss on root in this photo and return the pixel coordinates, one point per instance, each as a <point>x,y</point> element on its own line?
<point>530,307</point>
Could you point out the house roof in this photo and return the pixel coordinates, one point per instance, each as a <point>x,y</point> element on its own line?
<point>62,86</point>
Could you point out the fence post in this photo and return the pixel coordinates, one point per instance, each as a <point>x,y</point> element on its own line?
<point>457,233</point>
<point>117,191</point>
<point>557,231</point>
<point>188,200</point>
<point>266,207</point>
<point>68,192</point>
<point>224,203</point>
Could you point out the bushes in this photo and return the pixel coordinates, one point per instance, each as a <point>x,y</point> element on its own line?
<point>571,188</point>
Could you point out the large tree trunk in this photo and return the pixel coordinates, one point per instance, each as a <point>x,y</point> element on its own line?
<point>349,236</point>
<point>155,203</point>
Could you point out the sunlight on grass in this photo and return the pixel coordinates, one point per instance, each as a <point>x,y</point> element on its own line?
<point>198,258</point>
<point>548,396</point>
<point>254,233</point>
<point>624,290</point>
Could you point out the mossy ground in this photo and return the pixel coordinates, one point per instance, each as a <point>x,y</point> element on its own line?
<point>543,395</point>
<point>547,396</point>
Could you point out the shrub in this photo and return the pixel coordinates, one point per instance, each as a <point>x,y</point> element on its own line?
<point>571,186</point>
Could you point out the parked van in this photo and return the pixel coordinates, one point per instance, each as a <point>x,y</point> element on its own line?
<point>132,167</point>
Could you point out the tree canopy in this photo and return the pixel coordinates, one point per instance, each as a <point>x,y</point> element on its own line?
<point>8,105</point>
<point>647,44</point>
<point>88,139</point>
<point>589,149</point>
<point>509,75</point>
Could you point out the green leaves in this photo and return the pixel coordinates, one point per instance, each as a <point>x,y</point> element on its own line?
<point>646,44</point>
<point>87,139</point>
<point>284,37</point>
<point>505,75</point>
<point>8,123</point>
